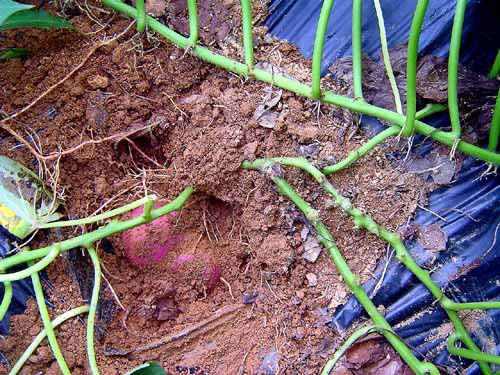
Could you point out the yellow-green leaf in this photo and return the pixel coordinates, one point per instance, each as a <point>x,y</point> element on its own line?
<point>25,204</point>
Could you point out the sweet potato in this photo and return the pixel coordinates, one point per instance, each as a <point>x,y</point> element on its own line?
<point>150,243</point>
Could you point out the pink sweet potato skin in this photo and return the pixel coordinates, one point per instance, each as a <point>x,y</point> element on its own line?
<point>201,267</point>
<point>150,243</point>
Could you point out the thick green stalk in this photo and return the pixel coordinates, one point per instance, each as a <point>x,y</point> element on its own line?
<point>246,11</point>
<point>305,90</point>
<point>362,151</point>
<point>41,336</point>
<point>348,276</point>
<point>429,110</point>
<point>111,228</point>
<point>319,42</point>
<point>92,310</point>
<point>453,60</point>
<point>495,126</point>
<point>141,15</point>
<point>411,67</point>
<point>364,221</point>
<point>357,48</point>
<point>6,300</point>
<point>36,267</point>
<point>387,57</point>
<point>103,216</point>
<point>193,21</point>
<point>44,314</point>
<point>495,69</point>
<point>345,346</point>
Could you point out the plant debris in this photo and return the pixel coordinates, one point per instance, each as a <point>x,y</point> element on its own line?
<point>432,237</point>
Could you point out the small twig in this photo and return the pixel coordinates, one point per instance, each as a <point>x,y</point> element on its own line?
<point>175,105</point>
<point>206,228</point>
<point>113,198</point>
<point>135,147</point>
<point>382,277</point>
<point>248,197</point>
<point>431,169</point>
<point>432,212</point>
<point>228,287</point>
<point>465,213</point>
<point>117,136</point>
<point>114,293</point>
<point>169,339</point>
<point>493,243</point>
<point>105,269</point>
<point>197,242</point>
<point>241,370</point>
<point>454,148</point>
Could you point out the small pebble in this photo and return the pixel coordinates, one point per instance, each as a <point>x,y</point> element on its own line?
<point>249,297</point>
<point>312,249</point>
<point>296,300</point>
<point>312,279</point>
<point>98,82</point>
<point>299,334</point>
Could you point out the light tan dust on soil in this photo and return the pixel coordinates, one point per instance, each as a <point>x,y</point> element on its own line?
<point>204,129</point>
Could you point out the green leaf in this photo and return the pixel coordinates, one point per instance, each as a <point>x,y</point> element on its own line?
<point>14,53</point>
<point>25,204</point>
<point>35,18</point>
<point>9,7</point>
<point>148,368</point>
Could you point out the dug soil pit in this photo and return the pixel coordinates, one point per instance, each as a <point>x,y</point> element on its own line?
<point>241,282</point>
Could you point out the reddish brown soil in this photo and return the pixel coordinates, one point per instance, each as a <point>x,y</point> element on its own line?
<point>203,129</point>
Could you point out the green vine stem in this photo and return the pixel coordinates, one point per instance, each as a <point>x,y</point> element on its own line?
<point>319,42</point>
<point>364,221</point>
<point>358,334</point>
<point>150,199</point>
<point>48,254</point>
<point>387,57</point>
<point>489,305</point>
<point>6,300</point>
<point>92,310</point>
<point>193,21</point>
<point>357,48</point>
<point>246,11</point>
<point>429,110</point>
<point>348,276</point>
<point>41,336</point>
<point>495,126</point>
<point>411,68</point>
<point>113,227</point>
<point>44,314</point>
<point>362,151</point>
<point>469,354</point>
<point>305,90</point>
<point>141,15</point>
<point>34,268</point>
<point>495,69</point>
<point>453,60</point>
